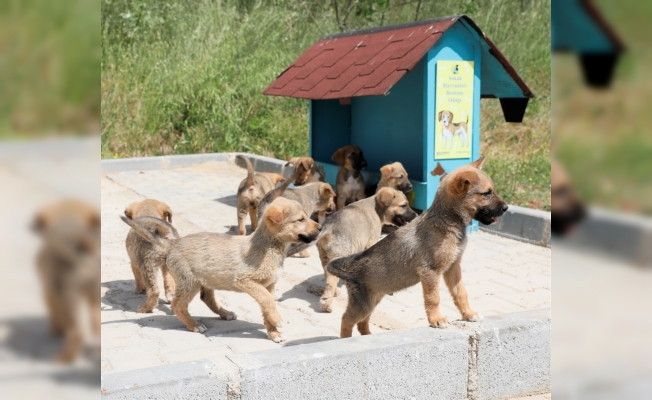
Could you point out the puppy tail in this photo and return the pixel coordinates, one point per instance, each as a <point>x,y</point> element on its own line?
<point>250,169</point>
<point>152,232</point>
<point>338,268</point>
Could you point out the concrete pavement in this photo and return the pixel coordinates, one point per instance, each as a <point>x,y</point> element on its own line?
<point>502,276</point>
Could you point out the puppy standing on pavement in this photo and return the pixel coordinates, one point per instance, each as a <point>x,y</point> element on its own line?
<point>204,262</point>
<point>317,197</point>
<point>424,250</point>
<point>355,228</point>
<point>349,183</point>
<point>146,258</point>
<point>306,171</point>
<point>251,191</point>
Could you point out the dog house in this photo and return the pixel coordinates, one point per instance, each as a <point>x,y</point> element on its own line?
<point>389,90</point>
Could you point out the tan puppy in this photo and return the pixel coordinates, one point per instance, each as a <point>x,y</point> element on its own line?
<point>357,227</point>
<point>424,250</point>
<point>349,183</point>
<point>394,176</point>
<point>68,265</point>
<point>146,258</point>
<point>305,171</point>
<point>566,208</point>
<point>204,262</point>
<point>317,197</point>
<point>251,191</point>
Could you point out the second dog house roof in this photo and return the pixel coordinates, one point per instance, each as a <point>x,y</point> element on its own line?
<point>369,62</point>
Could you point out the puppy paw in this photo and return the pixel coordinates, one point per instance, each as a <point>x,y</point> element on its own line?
<point>230,316</point>
<point>441,323</point>
<point>326,305</point>
<point>139,290</point>
<point>477,317</point>
<point>274,318</point>
<point>169,297</point>
<point>200,328</point>
<point>144,310</point>
<point>277,337</point>
<point>303,254</point>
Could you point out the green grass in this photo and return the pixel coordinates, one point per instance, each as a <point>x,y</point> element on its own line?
<point>602,136</point>
<point>187,77</point>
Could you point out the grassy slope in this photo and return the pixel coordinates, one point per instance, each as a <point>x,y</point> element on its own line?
<point>187,77</point>
<point>602,136</point>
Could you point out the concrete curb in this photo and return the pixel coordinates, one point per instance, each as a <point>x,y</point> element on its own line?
<point>523,224</point>
<point>519,223</point>
<point>500,357</point>
<point>623,236</point>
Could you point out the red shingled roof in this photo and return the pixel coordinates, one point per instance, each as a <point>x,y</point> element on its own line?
<point>368,62</point>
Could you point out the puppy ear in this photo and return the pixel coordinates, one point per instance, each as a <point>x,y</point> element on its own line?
<point>339,157</point>
<point>129,212</point>
<point>478,163</point>
<point>451,113</point>
<point>386,171</point>
<point>307,163</point>
<point>165,212</point>
<point>326,191</point>
<point>439,115</point>
<point>292,161</point>
<point>462,183</point>
<point>275,214</point>
<point>40,222</point>
<point>385,196</point>
<point>168,214</point>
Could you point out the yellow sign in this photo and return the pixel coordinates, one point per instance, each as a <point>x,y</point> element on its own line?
<point>454,110</point>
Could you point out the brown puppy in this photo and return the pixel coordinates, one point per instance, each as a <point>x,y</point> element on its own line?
<point>146,258</point>
<point>305,171</point>
<point>251,191</point>
<point>355,228</point>
<point>424,250</point>
<point>566,208</point>
<point>68,265</point>
<point>204,262</point>
<point>317,197</point>
<point>394,176</point>
<point>349,183</point>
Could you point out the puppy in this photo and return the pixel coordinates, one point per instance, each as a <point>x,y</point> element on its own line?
<point>349,182</point>
<point>395,177</point>
<point>306,171</point>
<point>146,258</point>
<point>566,208</point>
<point>204,262</point>
<point>450,129</point>
<point>424,250</point>
<point>357,227</point>
<point>251,191</point>
<point>68,265</point>
<point>315,198</point>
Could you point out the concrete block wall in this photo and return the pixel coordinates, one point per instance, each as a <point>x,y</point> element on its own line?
<point>503,356</point>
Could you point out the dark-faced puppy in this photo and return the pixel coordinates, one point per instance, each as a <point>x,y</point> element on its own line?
<point>306,171</point>
<point>349,183</point>
<point>146,259</point>
<point>68,265</point>
<point>355,228</point>
<point>566,208</point>
<point>394,176</point>
<point>427,248</point>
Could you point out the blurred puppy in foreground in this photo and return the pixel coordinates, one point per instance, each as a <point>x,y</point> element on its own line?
<point>68,264</point>
<point>422,251</point>
<point>567,210</point>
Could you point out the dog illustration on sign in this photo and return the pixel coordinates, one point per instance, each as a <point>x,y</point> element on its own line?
<point>449,129</point>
